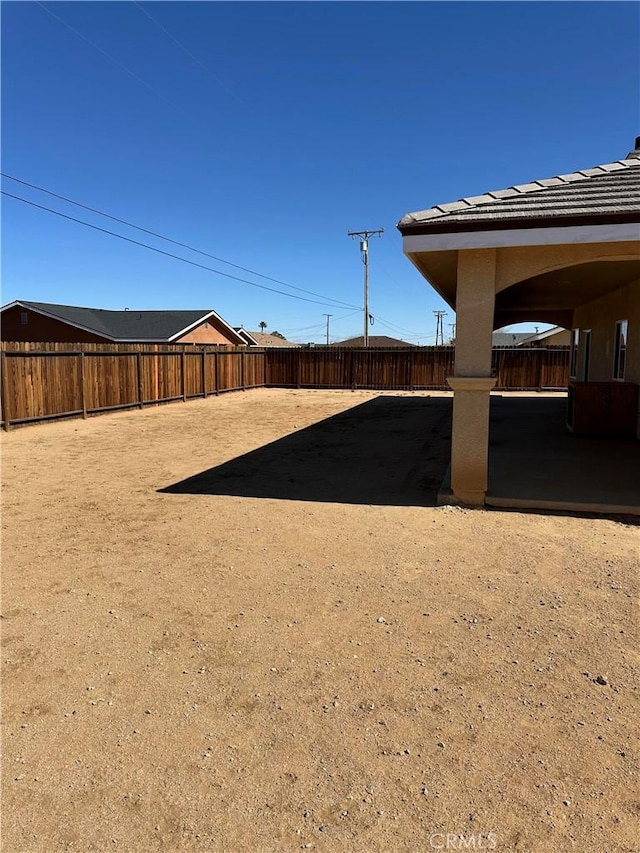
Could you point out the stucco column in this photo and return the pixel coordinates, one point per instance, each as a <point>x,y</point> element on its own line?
<point>472,382</point>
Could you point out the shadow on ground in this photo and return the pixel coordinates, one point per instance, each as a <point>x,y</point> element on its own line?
<point>387,451</point>
<point>533,458</point>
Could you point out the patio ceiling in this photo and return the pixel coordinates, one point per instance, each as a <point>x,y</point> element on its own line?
<point>549,297</point>
<point>556,294</point>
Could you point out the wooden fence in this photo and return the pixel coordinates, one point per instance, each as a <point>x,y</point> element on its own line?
<point>43,384</point>
<point>46,381</point>
<point>419,369</point>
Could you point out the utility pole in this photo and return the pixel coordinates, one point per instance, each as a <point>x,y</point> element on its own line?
<point>364,248</point>
<point>452,326</point>
<point>439,328</point>
<point>327,316</point>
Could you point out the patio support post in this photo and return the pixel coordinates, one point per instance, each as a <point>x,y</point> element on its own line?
<point>472,381</point>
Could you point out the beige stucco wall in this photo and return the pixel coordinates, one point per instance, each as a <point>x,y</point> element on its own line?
<point>600,316</point>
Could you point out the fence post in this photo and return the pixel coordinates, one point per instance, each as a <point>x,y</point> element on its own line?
<point>540,367</point>
<point>216,370</point>
<point>156,375</point>
<point>410,370</point>
<point>184,375</point>
<point>242,370</point>
<point>83,393</point>
<point>204,374</point>
<point>5,392</point>
<point>140,379</point>
<point>298,367</point>
<point>352,369</point>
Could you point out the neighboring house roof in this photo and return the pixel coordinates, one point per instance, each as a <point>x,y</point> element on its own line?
<point>129,326</point>
<point>542,336</point>
<point>247,337</point>
<point>374,341</point>
<point>602,194</point>
<point>509,339</point>
<point>263,339</point>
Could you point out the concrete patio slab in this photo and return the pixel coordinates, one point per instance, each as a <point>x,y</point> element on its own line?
<point>536,463</point>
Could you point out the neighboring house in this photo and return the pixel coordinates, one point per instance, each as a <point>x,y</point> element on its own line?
<point>247,337</point>
<point>555,337</point>
<point>509,339</point>
<point>562,250</point>
<point>263,339</point>
<point>41,321</point>
<point>374,341</point>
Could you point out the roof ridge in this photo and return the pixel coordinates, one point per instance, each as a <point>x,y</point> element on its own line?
<point>492,196</point>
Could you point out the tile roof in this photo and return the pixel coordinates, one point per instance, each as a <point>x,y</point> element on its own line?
<point>126,325</point>
<point>374,341</point>
<point>264,339</point>
<point>509,339</point>
<point>611,190</point>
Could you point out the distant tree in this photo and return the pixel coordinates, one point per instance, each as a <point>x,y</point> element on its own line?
<point>262,325</point>
<point>279,335</point>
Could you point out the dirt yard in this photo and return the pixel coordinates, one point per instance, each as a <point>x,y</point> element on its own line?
<point>228,627</point>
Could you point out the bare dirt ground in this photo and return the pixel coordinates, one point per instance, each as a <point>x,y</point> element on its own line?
<point>295,650</point>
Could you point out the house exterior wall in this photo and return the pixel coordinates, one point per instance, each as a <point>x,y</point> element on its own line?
<point>41,328</point>
<point>600,316</point>
<point>206,333</point>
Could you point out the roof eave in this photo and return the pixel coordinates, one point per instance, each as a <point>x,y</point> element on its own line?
<point>447,226</point>
<point>209,315</point>
<point>53,316</point>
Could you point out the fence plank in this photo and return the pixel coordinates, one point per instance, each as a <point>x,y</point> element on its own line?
<point>203,367</point>
<point>83,397</point>
<point>140,379</point>
<point>6,407</point>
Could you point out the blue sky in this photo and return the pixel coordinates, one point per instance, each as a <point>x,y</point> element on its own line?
<point>272,129</point>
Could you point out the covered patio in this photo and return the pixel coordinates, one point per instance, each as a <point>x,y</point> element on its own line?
<point>536,463</point>
<point>561,250</point>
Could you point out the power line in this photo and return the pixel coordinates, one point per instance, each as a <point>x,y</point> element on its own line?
<point>161,251</point>
<point>107,55</point>
<point>298,329</point>
<point>407,332</point>
<point>338,302</point>
<point>188,52</point>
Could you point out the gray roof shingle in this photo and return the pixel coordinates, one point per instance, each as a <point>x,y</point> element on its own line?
<point>374,341</point>
<point>611,190</point>
<point>125,325</point>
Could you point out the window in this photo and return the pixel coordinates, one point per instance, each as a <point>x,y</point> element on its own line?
<point>620,349</point>
<point>587,355</point>
<point>575,341</point>
<point>24,318</point>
